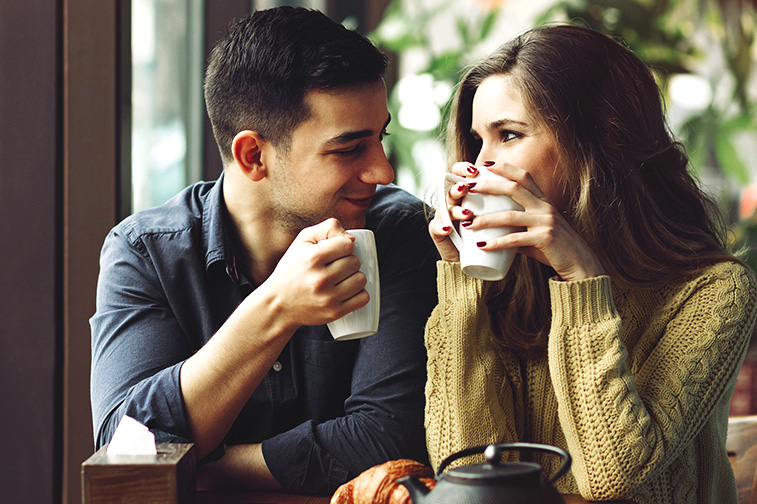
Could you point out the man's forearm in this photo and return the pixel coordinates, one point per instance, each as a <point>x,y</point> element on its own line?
<point>243,466</point>
<point>218,380</point>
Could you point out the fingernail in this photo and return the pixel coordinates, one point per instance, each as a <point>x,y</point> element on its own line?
<point>471,185</point>
<point>466,211</point>
<point>480,244</point>
<point>445,228</point>
<point>466,223</point>
<point>488,163</point>
<point>461,187</point>
<point>472,169</point>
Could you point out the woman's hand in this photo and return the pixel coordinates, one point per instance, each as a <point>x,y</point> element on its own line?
<point>544,233</point>
<point>438,228</point>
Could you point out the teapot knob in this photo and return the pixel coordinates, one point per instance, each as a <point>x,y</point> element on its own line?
<point>493,454</point>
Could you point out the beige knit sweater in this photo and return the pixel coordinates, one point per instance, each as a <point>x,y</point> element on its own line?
<point>635,386</point>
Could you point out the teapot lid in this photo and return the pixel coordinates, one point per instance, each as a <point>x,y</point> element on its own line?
<point>487,472</point>
<point>493,469</point>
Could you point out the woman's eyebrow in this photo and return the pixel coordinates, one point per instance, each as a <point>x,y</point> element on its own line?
<point>499,124</point>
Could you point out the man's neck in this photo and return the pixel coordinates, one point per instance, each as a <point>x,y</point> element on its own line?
<point>260,243</point>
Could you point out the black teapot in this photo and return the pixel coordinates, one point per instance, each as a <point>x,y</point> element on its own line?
<point>493,482</point>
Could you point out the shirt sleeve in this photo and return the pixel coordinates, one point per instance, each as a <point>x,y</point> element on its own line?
<point>137,347</point>
<point>383,417</point>
<point>624,426</point>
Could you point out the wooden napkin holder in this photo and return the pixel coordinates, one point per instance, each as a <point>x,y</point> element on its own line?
<point>166,478</point>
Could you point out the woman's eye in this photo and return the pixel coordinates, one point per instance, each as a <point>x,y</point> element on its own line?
<point>383,135</point>
<point>508,135</point>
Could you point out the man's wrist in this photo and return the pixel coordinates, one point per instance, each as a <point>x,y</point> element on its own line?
<point>242,467</point>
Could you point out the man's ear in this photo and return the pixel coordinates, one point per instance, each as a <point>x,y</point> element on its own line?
<point>248,148</point>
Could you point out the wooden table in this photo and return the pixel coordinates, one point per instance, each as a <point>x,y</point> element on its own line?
<point>255,497</point>
<point>250,497</point>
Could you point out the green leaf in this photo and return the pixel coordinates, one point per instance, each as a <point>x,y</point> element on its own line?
<point>462,29</point>
<point>726,152</point>
<point>694,136</point>
<point>488,24</point>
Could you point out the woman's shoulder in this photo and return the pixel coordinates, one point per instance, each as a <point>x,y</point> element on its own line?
<point>725,282</point>
<point>724,287</point>
<point>734,273</point>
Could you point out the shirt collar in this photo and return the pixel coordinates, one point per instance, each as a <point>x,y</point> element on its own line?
<point>214,222</point>
<point>216,226</point>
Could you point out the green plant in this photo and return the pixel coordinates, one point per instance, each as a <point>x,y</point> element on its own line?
<point>679,37</point>
<point>408,29</point>
<point>713,40</point>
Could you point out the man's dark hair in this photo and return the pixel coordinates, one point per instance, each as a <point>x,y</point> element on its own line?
<point>258,75</point>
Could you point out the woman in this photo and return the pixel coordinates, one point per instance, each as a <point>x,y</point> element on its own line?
<point>619,330</point>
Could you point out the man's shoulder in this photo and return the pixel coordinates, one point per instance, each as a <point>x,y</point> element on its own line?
<point>393,202</point>
<point>399,218</point>
<point>181,213</point>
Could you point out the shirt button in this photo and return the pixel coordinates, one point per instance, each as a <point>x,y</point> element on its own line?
<point>277,366</point>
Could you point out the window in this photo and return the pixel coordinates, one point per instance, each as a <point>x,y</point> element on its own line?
<point>167,56</point>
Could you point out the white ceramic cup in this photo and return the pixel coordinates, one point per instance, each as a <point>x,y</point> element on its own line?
<point>484,264</point>
<point>363,321</point>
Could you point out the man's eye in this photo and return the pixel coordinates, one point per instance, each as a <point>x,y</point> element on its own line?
<point>347,152</point>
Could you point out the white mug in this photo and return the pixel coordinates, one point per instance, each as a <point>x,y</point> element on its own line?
<point>363,321</point>
<point>484,264</point>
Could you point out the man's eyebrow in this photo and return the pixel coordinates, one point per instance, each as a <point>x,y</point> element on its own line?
<point>500,123</point>
<point>349,136</point>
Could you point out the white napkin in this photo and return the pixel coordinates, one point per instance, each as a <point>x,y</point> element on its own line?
<point>131,438</point>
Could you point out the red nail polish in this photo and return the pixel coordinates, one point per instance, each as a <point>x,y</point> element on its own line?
<point>471,185</point>
<point>481,244</point>
<point>460,187</point>
<point>488,163</point>
<point>472,169</point>
<point>466,211</point>
<point>466,223</point>
<point>445,228</point>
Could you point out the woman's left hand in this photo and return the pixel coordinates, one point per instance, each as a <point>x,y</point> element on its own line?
<point>545,235</point>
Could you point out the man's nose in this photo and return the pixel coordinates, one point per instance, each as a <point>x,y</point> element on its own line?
<point>377,170</point>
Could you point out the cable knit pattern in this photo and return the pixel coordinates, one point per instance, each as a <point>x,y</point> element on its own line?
<point>636,384</point>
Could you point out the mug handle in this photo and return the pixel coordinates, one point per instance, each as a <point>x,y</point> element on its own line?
<point>454,235</point>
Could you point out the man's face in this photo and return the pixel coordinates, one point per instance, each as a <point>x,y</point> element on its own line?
<point>335,159</point>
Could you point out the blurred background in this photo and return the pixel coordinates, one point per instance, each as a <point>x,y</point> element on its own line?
<point>102,115</point>
<point>703,53</point>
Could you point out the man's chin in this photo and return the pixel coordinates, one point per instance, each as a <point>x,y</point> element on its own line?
<point>353,223</point>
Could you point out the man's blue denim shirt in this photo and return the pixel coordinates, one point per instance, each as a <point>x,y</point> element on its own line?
<point>327,410</point>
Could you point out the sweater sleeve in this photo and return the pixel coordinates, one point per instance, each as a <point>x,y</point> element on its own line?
<point>624,428</point>
<point>469,399</point>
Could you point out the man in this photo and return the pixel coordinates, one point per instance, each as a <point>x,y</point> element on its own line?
<point>211,308</point>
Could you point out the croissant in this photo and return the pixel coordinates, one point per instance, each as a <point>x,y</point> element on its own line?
<point>378,485</point>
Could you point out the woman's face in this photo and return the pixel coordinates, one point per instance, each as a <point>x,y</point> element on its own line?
<point>508,134</point>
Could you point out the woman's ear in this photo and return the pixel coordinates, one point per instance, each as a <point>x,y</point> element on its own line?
<point>248,147</point>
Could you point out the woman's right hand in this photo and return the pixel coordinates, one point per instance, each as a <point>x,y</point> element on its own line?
<point>439,228</point>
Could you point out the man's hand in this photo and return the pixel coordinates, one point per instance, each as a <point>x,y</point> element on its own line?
<point>318,279</point>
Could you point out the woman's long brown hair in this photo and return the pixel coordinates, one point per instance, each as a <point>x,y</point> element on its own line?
<point>629,191</point>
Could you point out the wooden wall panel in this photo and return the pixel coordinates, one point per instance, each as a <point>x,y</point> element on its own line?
<point>30,243</point>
